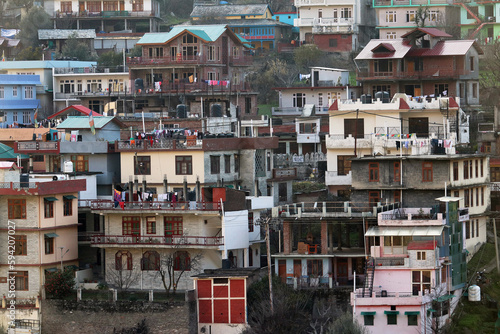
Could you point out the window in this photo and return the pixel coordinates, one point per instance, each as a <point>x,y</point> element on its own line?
<point>466,169</point>
<point>391,35</point>
<point>421,281</point>
<point>344,164</point>
<point>382,67</point>
<point>482,195</point>
<point>410,16</point>
<point>49,245</point>
<point>184,165</point>
<point>392,319</point>
<point>68,206</point>
<point>477,228</point>
<point>390,16</point>
<point>14,91</point>
<point>173,53</point>
<point>17,208</point>
<point>173,227</point>
<point>299,100</point>
<point>26,117</point>
<point>137,5</point>
<point>412,320</point>
<point>66,7</point>
<point>368,319</point>
<point>381,88</point>
<point>474,90</point>
<point>21,278</point>
<point>470,169</point>
<point>396,245</point>
<point>441,89</point>
<point>373,198</point>
<point>471,63</point>
<point>211,53</point>
<point>123,260</point>
<point>332,42</point>
<point>282,192</point>
<point>236,52</point>
<point>433,15</point>
<point>151,225</point>
<point>421,256</point>
<point>182,261</point>
<point>346,13</point>
<point>20,244</point>
<point>320,100</point>
<point>2,92</point>
<point>28,92</point>
<point>315,267</point>
<point>214,164</point>
<point>373,172</point>
<point>48,205</point>
<point>80,163</point>
<point>250,222</point>
<point>227,163</point>
<point>455,171</point>
<point>397,171</point>
<point>142,165</point>
<point>427,172</point>
<point>131,225</point>
<point>466,198</point>
<point>150,261</point>
<point>236,163</point>
<point>354,127</point>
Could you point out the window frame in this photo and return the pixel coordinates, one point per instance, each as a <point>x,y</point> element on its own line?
<point>119,260</point>
<point>369,320</point>
<point>227,163</point>
<point>412,320</point>
<point>455,171</point>
<point>183,165</point>
<point>14,205</point>
<point>151,225</point>
<point>182,257</point>
<point>48,209</point>
<point>427,171</point>
<point>142,165</point>
<point>22,275</point>
<point>80,163</point>
<point>48,245</point>
<point>68,207</point>
<point>392,319</point>
<point>373,172</point>
<point>215,164</point>
<point>20,244</point>
<point>397,171</point>
<point>147,261</point>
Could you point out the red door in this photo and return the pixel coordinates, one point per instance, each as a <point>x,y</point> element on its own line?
<point>282,270</point>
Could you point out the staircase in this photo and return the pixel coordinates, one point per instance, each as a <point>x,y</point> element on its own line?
<point>369,275</point>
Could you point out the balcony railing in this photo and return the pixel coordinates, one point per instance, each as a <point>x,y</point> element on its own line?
<point>389,261</point>
<point>146,205</point>
<point>85,70</point>
<point>385,294</point>
<point>38,146</point>
<point>161,144</point>
<point>495,186</point>
<point>18,185</point>
<point>156,240</point>
<point>426,74</point>
<point>187,59</point>
<point>323,22</point>
<point>104,14</point>
<point>323,209</point>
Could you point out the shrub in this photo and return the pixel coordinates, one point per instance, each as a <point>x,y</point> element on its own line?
<point>60,284</point>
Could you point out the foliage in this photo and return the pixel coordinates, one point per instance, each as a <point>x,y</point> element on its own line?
<point>36,18</point>
<point>421,14</point>
<point>30,53</point>
<point>170,277</point>
<point>345,325</point>
<point>176,8</point>
<point>307,55</point>
<point>110,59</point>
<point>60,284</point>
<point>140,328</point>
<point>136,51</point>
<point>27,4</point>
<point>489,75</point>
<point>307,187</point>
<point>74,48</point>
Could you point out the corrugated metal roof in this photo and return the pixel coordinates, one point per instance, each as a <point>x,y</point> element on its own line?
<point>12,43</point>
<point>7,152</point>
<point>65,33</point>
<point>443,48</point>
<point>39,64</point>
<point>377,231</point>
<point>257,22</point>
<point>19,104</point>
<point>78,107</point>
<point>82,122</point>
<point>229,10</point>
<point>209,33</point>
<point>434,32</point>
<point>19,79</point>
<point>401,48</point>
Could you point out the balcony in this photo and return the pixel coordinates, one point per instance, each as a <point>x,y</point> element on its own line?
<point>333,178</point>
<point>107,205</point>
<point>177,87</point>
<point>190,143</point>
<point>37,147</point>
<point>140,240</point>
<point>431,74</point>
<point>85,147</point>
<point>331,209</point>
<point>324,25</point>
<point>299,3</point>
<point>291,111</point>
<point>104,14</point>
<point>88,70</point>
<point>411,217</point>
<point>385,297</point>
<point>200,59</point>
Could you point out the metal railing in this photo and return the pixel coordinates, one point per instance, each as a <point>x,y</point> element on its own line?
<point>156,240</point>
<point>160,144</point>
<point>389,261</point>
<point>18,185</point>
<point>146,205</point>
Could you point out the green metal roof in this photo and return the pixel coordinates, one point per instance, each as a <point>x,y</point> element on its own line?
<point>391,312</point>
<point>7,152</point>
<point>48,64</point>
<point>444,298</point>
<point>50,199</point>
<point>412,312</point>
<point>209,33</point>
<point>368,313</point>
<point>82,122</point>
<point>51,235</point>
<point>69,197</point>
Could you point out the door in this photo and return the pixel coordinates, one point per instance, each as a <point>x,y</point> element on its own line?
<point>316,78</point>
<point>282,270</point>
<point>419,126</point>
<point>81,7</point>
<point>297,268</point>
<point>122,6</point>
<point>342,274</point>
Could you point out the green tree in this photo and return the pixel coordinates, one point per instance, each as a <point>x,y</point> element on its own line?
<point>421,15</point>
<point>136,51</point>
<point>76,49</point>
<point>307,55</point>
<point>60,283</point>
<point>36,18</point>
<point>489,79</point>
<point>30,53</point>
<point>110,59</point>
<point>345,325</point>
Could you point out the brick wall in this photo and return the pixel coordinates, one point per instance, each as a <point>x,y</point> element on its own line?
<point>331,42</point>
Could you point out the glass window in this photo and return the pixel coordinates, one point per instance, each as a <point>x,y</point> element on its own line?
<point>412,320</point>
<point>392,319</point>
<point>397,171</point>
<point>14,91</point>
<point>421,281</point>
<point>123,260</point>
<point>182,261</point>
<point>28,92</point>
<point>455,171</point>
<point>150,261</point>
<point>20,245</point>
<point>48,209</point>
<point>184,165</point>
<point>390,16</point>
<point>2,92</point>
<point>227,163</point>
<point>427,172</point>
<point>21,278</point>
<point>250,222</point>
<point>368,320</point>
<point>142,165</point>
<point>17,208</point>
<point>373,172</point>
<point>151,225</point>
<point>214,164</point>
<point>68,207</point>
<point>131,225</point>
<point>49,245</point>
<point>80,163</point>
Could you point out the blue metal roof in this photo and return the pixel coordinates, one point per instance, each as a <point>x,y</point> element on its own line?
<point>21,79</point>
<point>209,33</point>
<point>32,64</point>
<point>19,104</point>
<point>82,122</point>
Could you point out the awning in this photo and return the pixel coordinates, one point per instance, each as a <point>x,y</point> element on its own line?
<point>431,310</point>
<point>51,270</point>
<point>412,312</point>
<point>50,199</point>
<point>51,235</point>
<point>404,231</point>
<point>391,312</point>
<point>69,197</point>
<point>368,313</point>
<point>444,298</point>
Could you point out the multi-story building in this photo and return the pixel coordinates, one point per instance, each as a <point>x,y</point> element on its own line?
<point>479,21</point>
<point>18,100</point>
<point>425,62</point>
<point>108,16</point>
<point>396,18</point>
<point>334,26</point>
<point>199,67</point>
<point>40,217</point>
<point>416,269</point>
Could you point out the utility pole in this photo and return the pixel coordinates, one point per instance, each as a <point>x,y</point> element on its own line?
<point>496,243</point>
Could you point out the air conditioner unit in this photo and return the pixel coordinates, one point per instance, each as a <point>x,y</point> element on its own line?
<point>61,177</point>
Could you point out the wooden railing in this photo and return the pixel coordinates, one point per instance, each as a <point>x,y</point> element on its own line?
<point>156,240</point>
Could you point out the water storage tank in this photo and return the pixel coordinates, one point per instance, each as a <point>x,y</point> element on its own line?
<point>216,110</point>
<point>366,98</point>
<point>68,167</point>
<point>139,84</point>
<point>474,293</point>
<point>383,96</point>
<point>181,111</point>
<point>25,180</point>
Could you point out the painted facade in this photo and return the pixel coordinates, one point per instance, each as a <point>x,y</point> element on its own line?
<point>18,99</point>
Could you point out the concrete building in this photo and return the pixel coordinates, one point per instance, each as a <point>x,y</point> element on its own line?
<point>18,100</point>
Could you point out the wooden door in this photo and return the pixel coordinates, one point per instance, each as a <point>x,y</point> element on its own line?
<point>297,268</point>
<point>122,6</point>
<point>342,271</point>
<point>282,270</point>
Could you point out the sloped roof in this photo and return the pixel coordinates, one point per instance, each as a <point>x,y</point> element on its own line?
<point>229,10</point>
<point>9,164</point>
<point>446,48</point>
<point>82,122</point>
<point>400,46</point>
<point>7,152</point>
<point>65,33</point>
<point>419,32</point>
<point>76,107</point>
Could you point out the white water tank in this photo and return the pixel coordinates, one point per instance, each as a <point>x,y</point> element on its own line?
<point>474,293</point>
<point>68,167</point>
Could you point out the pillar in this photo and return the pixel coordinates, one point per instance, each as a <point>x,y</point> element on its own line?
<point>324,237</point>
<point>286,238</point>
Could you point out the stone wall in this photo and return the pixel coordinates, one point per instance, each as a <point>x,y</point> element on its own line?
<point>71,317</point>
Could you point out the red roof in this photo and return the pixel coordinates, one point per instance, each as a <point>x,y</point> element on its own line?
<point>422,245</point>
<point>403,104</point>
<point>386,46</point>
<point>452,103</point>
<point>434,32</point>
<point>334,106</point>
<point>78,107</point>
<point>444,48</point>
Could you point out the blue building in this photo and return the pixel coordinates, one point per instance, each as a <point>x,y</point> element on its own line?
<point>18,102</point>
<point>287,17</point>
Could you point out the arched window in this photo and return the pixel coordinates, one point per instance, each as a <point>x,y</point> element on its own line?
<point>123,260</point>
<point>150,261</point>
<point>182,261</point>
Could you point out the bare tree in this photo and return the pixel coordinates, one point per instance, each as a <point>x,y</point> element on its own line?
<point>121,278</point>
<point>421,15</point>
<point>174,264</point>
